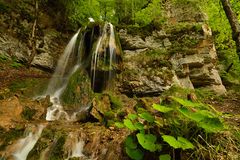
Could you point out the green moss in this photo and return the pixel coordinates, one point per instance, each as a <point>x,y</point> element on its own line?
<point>4,8</point>
<point>3,58</point>
<point>58,152</point>
<point>184,28</point>
<point>109,115</point>
<point>8,136</point>
<point>28,113</point>
<point>78,91</point>
<point>40,146</point>
<point>116,102</point>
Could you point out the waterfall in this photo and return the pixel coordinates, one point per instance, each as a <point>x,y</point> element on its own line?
<point>104,57</point>
<point>59,80</point>
<point>26,144</point>
<point>96,56</point>
<point>96,49</point>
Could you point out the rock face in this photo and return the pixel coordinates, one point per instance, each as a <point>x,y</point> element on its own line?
<point>16,30</point>
<point>181,53</point>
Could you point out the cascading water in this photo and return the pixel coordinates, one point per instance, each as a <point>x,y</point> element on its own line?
<point>25,145</point>
<point>74,146</point>
<point>59,81</point>
<point>112,48</point>
<point>96,56</point>
<point>103,59</point>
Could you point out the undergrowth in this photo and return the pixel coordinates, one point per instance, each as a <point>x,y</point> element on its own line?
<point>179,129</point>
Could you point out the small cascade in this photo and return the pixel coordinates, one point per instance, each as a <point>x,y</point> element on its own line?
<point>74,146</point>
<point>25,145</point>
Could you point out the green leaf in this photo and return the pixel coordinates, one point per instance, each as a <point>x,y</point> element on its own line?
<point>185,144</point>
<point>130,142</point>
<point>139,126</point>
<point>171,141</point>
<point>212,125</point>
<point>165,157</point>
<point>161,108</point>
<point>135,154</point>
<point>147,116</point>
<point>119,125</point>
<point>132,116</point>
<point>195,116</point>
<point>128,123</point>
<point>187,103</point>
<point>147,141</point>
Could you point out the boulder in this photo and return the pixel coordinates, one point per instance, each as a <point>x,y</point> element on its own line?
<point>10,111</point>
<point>43,60</point>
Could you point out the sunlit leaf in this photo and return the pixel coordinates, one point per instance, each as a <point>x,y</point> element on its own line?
<point>195,116</point>
<point>139,126</point>
<point>119,125</point>
<point>213,125</point>
<point>147,116</point>
<point>132,116</point>
<point>161,108</point>
<point>186,103</point>
<point>128,123</point>
<point>171,141</point>
<point>147,141</point>
<point>185,144</point>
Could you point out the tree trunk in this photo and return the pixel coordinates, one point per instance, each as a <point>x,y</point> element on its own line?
<point>233,20</point>
<point>32,40</point>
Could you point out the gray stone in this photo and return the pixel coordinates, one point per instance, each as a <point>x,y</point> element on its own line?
<point>192,61</point>
<point>186,82</point>
<point>43,60</point>
<point>153,43</point>
<point>167,42</point>
<point>131,42</point>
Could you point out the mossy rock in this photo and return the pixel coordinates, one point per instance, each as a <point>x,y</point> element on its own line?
<point>28,113</point>
<point>78,92</point>
<point>7,137</point>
